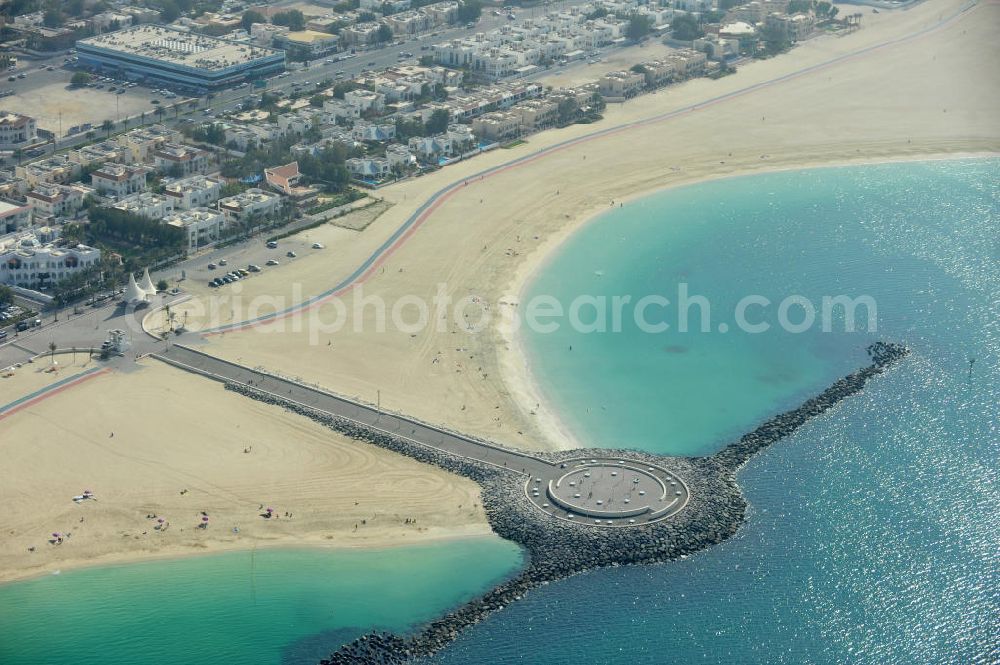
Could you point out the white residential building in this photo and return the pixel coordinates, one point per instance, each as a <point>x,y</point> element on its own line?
<point>368,168</point>
<point>119,180</point>
<point>53,200</point>
<point>180,159</point>
<point>13,217</point>
<point>55,169</point>
<point>27,262</point>
<point>147,204</point>
<point>16,130</point>
<point>196,191</point>
<point>142,142</point>
<point>256,203</point>
<point>203,226</point>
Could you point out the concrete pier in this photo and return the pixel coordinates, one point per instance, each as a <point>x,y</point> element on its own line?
<point>571,511</point>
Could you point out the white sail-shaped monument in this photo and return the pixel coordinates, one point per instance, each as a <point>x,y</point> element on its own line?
<point>147,283</point>
<point>134,294</point>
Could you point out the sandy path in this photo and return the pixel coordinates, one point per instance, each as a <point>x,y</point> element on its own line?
<point>175,431</point>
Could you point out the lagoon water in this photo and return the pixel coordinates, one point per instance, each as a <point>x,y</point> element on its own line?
<point>872,536</point>
<point>269,607</point>
<point>873,531</point>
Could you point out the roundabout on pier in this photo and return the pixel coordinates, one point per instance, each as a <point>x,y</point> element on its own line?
<point>608,492</point>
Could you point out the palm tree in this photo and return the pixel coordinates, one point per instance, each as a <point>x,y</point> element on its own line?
<point>159,113</point>
<point>107,126</point>
<point>52,350</point>
<point>142,118</point>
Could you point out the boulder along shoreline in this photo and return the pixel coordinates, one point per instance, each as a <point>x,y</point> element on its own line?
<point>557,549</point>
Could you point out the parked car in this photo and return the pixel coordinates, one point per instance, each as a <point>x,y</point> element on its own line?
<point>243,273</point>
<point>223,262</point>
<point>272,244</point>
<point>272,262</point>
<point>3,334</point>
<point>318,245</point>
<point>213,284</point>
<point>290,254</point>
<point>211,266</point>
<point>253,267</point>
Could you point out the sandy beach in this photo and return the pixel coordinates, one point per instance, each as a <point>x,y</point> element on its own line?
<point>176,452</point>
<point>176,432</point>
<point>853,98</point>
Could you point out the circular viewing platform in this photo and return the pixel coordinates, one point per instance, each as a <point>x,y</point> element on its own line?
<point>608,492</point>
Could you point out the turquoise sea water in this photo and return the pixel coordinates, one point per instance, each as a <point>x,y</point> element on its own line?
<point>872,535</point>
<point>873,531</point>
<point>920,239</point>
<point>271,607</point>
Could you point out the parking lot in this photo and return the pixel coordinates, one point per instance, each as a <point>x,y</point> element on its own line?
<point>197,273</point>
<point>47,96</point>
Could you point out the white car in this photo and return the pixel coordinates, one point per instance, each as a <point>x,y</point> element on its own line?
<point>318,245</point>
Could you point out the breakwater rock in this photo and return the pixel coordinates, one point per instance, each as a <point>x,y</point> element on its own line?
<point>557,548</point>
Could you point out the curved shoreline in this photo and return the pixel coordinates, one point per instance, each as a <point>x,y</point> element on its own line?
<point>559,548</point>
<point>515,368</point>
<point>413,222</point>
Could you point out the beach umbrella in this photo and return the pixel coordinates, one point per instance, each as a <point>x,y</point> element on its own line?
<point>204,519</point>
<point>270,510</point>
<point>55,535</point>
<point>160,520</point>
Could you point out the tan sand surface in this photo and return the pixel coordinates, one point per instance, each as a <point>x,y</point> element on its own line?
<point>175,431</point>
<point>931,95</point>
<point>15,383</point>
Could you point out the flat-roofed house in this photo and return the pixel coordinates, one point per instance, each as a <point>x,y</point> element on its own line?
<point>119,180</point>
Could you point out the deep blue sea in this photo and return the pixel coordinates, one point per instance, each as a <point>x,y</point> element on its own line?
<point>872,534</point>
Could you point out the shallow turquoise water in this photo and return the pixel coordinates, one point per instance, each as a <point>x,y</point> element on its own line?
<point>873,531</point>
<point>872,535</point>
<point>906,235</point>
<point>269,607</point>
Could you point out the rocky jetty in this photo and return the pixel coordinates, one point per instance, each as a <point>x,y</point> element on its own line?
<point>556,548</point>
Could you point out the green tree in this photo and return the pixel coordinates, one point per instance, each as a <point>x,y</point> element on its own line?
<point>568,111</point>
<point>293,19</point>
<point>427,61</point>
<point>169,11</point>
<point>383,34</point>
<point>107,126</point>
<point>437,123</point>
<point>775,40</point>
<point>52,18</point>
<point>6,295</point>
<point>79,79</point>
<point>638,27</point>
<point>162,285</point>
<point>799,7</point>
<point>469,11</point>
<point>685,28</point>
<point>250,17</point>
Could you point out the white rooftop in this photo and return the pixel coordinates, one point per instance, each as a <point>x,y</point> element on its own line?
<point>178,47</point>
